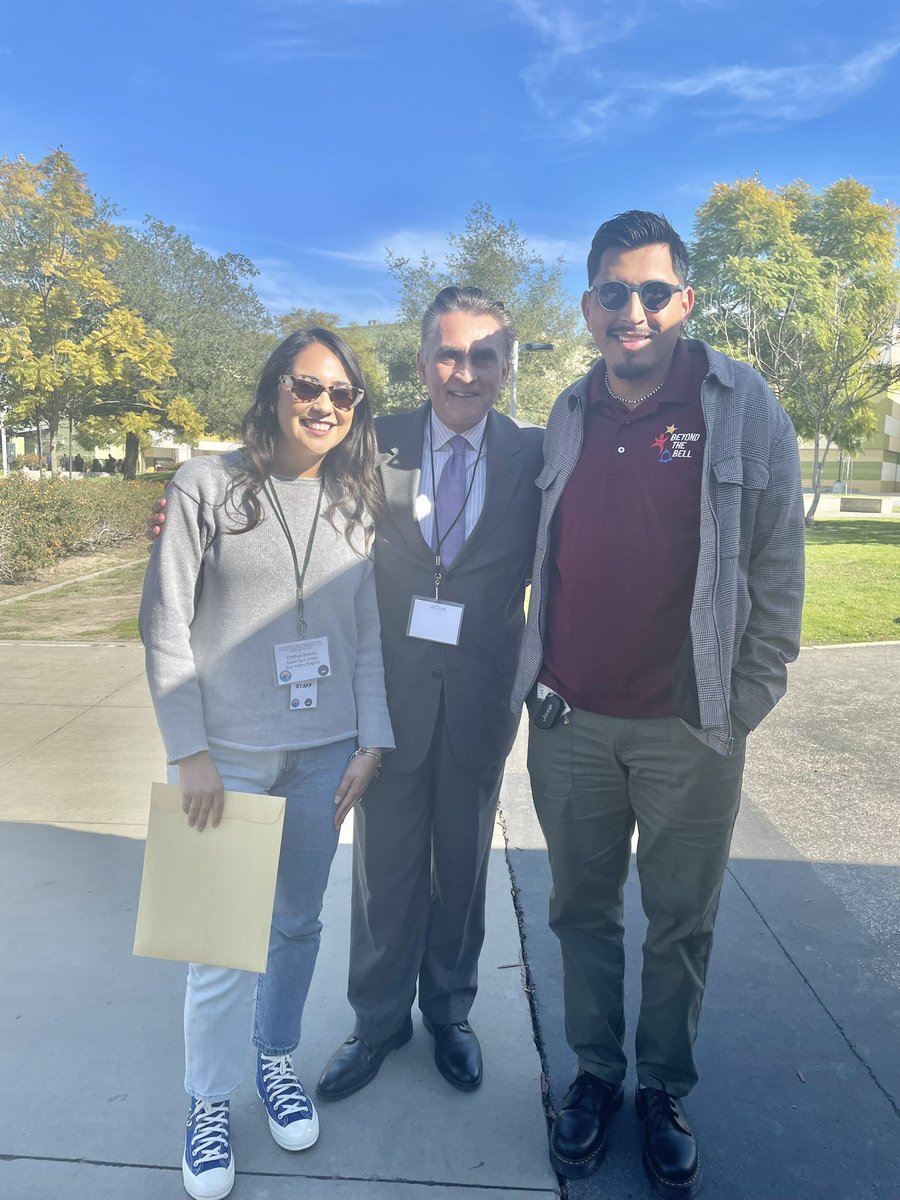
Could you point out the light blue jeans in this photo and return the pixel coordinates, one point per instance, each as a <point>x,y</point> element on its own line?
<point>219,1000</point>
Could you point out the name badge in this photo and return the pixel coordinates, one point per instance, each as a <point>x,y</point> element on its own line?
<point>304,695</point>
<point>435,620</point>
<point>295,662</point>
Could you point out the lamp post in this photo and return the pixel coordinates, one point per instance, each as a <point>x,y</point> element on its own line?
<point>514,367</point>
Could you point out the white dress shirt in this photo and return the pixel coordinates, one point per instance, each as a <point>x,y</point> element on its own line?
<point>436,446</point>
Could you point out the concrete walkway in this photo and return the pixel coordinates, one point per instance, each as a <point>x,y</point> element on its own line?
<point>91,1102</point>
<point>799,1096</point>
<point>799,1048</point>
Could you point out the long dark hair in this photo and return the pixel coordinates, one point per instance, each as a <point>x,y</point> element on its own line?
<point>349,471</point>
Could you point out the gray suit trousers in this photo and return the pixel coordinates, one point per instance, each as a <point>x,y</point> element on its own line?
<point>420,857</point>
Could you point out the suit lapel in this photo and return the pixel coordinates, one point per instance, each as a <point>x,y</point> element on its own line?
<point>401,471</point>
<point>503,456</point>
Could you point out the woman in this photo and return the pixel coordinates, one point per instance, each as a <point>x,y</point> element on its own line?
<point>266,548</point>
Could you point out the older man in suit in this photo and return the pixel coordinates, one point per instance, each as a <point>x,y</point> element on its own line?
<point>452,557</point>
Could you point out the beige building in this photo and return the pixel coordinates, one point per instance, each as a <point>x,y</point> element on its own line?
<point>875,467</point>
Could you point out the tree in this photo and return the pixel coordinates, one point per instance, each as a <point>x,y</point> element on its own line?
<point>207,309</point>
<point>360,338</point>
<point>804,287</point>
<point>133,395</point>
<point>307,318</point>
<point>65,339</point>
<point>495,257</point>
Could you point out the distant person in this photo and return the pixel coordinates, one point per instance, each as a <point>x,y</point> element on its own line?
<point>96,467</point>
<point>78,463</point>
<point>666,598</point>
<point>110,465</point>
<point>279,533</point>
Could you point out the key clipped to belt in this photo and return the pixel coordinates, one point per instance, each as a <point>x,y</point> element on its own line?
<point>551,707</point>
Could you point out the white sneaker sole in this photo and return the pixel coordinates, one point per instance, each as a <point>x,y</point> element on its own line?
<point>299,1135</point>
<point>203,1187</point>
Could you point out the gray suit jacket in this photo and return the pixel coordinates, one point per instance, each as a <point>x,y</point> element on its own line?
<point>488,576</point>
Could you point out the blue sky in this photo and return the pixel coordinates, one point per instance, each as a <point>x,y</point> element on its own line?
<point>311,135</point>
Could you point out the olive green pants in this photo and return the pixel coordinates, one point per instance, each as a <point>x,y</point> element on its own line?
<point>593,780</point>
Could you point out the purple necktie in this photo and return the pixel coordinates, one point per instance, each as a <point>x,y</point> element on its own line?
<point>449,502</point>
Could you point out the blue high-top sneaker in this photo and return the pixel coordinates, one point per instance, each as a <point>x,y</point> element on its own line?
<point>208,1164</point>
<point>293,1121</point>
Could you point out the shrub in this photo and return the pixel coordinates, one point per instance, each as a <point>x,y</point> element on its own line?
<point>44,520</point>
<point>32,461</point>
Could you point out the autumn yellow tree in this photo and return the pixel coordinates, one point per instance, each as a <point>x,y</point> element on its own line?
<point>804,286</point>
<point>68,347</point>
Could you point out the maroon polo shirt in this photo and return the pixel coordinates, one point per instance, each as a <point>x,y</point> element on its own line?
<point>624,544</point>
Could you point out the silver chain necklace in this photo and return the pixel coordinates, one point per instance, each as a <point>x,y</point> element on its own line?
<point>630,403</point>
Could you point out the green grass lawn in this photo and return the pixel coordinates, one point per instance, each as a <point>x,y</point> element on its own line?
<point>852,581</point>
<point>852,592</point>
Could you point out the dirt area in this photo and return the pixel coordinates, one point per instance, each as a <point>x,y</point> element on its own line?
<point>99,609</point>
<point>74,566</point>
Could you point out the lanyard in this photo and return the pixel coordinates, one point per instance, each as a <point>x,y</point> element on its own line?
<point>439,537</point>
<point>299,573</point>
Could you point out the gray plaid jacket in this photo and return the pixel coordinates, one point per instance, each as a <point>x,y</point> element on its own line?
<point>745,617</point>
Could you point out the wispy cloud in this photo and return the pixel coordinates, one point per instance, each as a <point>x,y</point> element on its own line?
<point>584,102</point>
<point>567,32</point>
<point>789,93</point>
<point>296,30</point>
<point>550,249</point>
<point>416,243</point>
<point>567,29</point>
<point>282,288</point>
<point>404,243</point>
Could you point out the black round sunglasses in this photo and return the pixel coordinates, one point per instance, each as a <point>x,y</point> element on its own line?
<point>654,295</point>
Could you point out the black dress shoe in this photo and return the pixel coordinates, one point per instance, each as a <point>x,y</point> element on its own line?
<point>578,1140</point>
<point>457,1054</point>
<point>355,1063</point>
<point>670,1148</point>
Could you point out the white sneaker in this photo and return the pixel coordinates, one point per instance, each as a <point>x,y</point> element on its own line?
<point>207,1167</point>
<point>293,1121</point>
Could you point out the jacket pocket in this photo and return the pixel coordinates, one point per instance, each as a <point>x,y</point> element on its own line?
<point>547,478</point>
<point>738,484</point>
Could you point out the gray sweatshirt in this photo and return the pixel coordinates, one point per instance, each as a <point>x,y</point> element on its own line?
<point>214,605</point>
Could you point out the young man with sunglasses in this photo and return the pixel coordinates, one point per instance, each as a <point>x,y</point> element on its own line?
<point>666,599</point>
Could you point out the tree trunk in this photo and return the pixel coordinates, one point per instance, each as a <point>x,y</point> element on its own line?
<point>818,472</point>
<point>810,518</point>
<point>132,447</point>
<point>816,483</point>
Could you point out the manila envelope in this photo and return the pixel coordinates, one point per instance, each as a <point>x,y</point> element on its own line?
<point>208,897</point>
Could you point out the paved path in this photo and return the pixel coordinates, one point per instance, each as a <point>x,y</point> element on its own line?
<point>799,1097</point>
<point>799,1052</point>
<point>91,1104</point>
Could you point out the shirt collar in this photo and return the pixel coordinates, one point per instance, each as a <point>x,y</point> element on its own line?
<point>441,435</point>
